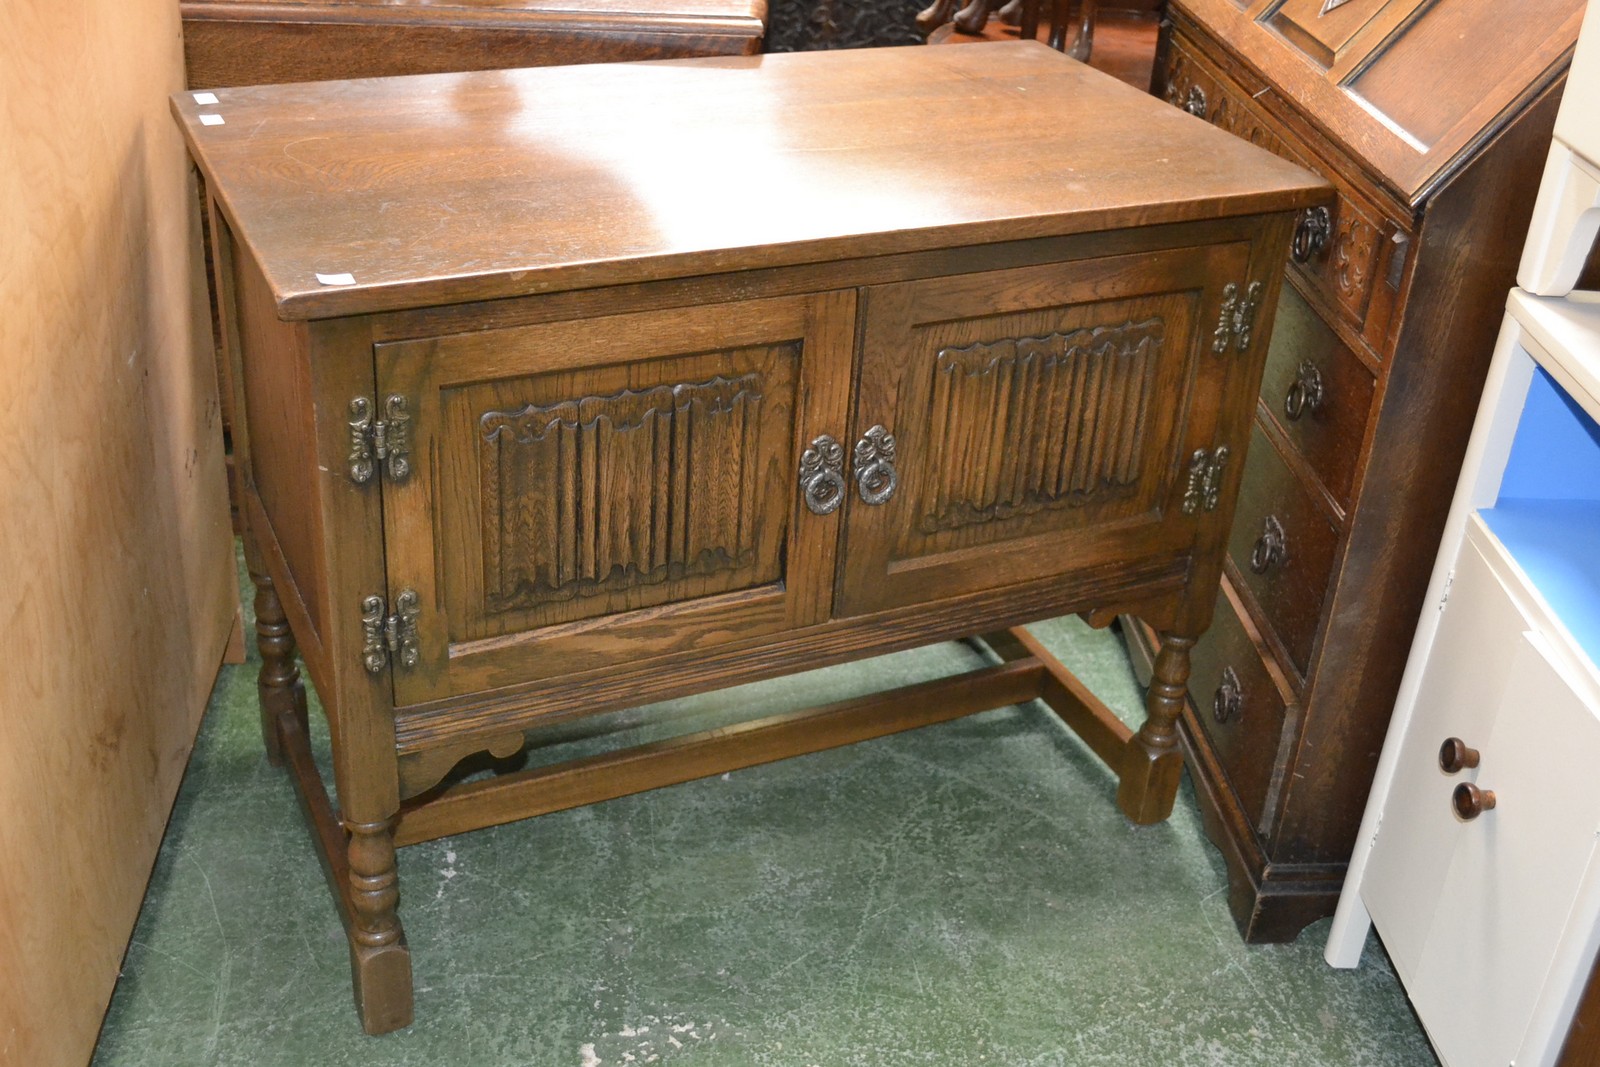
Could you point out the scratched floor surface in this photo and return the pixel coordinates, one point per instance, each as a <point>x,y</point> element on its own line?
<point>963,894</point>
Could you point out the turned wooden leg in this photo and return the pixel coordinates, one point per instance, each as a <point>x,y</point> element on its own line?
<point>1058,24</point>
<point>935,15</point>
<point>380,962</point>
<point>1153,765</point>
<point>1084,45</point>
<point>278,685</point>
<point>972,18</point>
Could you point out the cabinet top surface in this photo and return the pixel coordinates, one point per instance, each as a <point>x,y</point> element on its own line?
<point>445,188</point>
<point>1409,87</point>
<point>412,10</point>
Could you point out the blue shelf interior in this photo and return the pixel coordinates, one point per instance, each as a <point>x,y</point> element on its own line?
<point>1548,511</point>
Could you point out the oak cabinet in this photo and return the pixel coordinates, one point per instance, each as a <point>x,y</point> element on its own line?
<point>1430,119</point>
<point>594,436</point>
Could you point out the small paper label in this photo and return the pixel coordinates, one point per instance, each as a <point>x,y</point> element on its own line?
<point>205,98</point>
<point>337,279</point>
<point>1329,5</point>
<point>211,120</point>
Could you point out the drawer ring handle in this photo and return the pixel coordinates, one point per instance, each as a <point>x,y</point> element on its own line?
<point>1306,392</point>
<point>1311,234</point>
<point>822,475</point>
<point>1229,697</point>
<point>876,477</point>
<point>1195,102</point>
<point>1469,801</point>
<point>1272,547</point>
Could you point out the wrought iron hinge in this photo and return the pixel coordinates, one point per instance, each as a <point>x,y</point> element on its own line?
<point>1205,479</point>
<point>390,635</point>
<point>386,440</point>
<point>1237,319</point>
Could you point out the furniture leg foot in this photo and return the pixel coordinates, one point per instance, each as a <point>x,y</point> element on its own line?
<point>1084,45</point>
<point>278,685</point>
<point>380,962</point>
<point>1152,764</point>
<point>972,18</point>
<point>1059,10</point>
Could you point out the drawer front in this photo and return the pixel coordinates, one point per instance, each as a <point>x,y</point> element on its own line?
<point>1336,251</point>
<point>1043,421</point>
<point>1241,704</point>
<point>1318,393</point>
<point>626,482</point>
<point>1283,547</point>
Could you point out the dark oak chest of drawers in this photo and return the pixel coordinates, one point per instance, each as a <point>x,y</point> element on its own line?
<point>543,414</point>
<point>1430,117</point>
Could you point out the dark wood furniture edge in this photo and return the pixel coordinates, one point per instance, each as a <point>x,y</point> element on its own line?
<point>1416,175</point>
<point>1582,1047</point>
<point>1271,903</point>
<point>462,14</point>
<point>1399,518</point>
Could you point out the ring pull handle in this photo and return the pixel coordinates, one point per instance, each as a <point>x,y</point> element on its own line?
<point>1311,234</point>
<point>875,475</point>
<point>1470,802</point>
<point>1229,697</point>
<point>1271,548</point>
<point>1455,756</point>
<point>1195,102</point>
<point>1306,392</point>
<point>822,475</point>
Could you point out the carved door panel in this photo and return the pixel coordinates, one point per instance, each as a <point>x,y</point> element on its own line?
<point>624,485</point>
<point>1043,420</point>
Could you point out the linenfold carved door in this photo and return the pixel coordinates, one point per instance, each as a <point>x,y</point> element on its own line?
<point>1042,420</point>
<point>621,485</point>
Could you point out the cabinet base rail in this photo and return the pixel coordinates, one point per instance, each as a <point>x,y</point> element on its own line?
<point>1148,774</point>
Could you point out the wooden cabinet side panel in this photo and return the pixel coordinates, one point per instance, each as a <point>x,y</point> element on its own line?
<point>1466,259</point>
<point>273,374</point>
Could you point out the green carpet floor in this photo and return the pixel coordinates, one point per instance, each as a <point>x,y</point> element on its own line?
<point>963,894</point>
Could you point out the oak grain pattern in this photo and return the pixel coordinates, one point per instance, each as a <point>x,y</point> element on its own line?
<point>739,554</point>
<point>545,179</point>
<point>116,549</point>
<point>253,42</point>
<point>958,446</point>
<point>1383,58</point>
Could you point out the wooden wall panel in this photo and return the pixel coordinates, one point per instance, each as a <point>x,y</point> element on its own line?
<point>116,583</point>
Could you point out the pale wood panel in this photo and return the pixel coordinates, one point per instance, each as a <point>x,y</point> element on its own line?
<point>115,554</point>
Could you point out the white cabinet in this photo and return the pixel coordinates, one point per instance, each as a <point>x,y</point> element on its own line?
<point>1478,858</point>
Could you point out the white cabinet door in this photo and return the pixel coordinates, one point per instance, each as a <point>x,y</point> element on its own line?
<point>1468,668</point>
<point>1517,870</point>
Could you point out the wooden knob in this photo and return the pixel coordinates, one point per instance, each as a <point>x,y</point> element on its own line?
<point>1455,756</point>
<point>1470,801</point>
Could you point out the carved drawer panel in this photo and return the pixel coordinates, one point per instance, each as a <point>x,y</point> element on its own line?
<point>641,469</point>
<point>1318,393</point>
<point>1283,547</point>
<point>1337,250</point>
<point>1043,419</point>
<point>1240,701</point>
<point>1320,33</point>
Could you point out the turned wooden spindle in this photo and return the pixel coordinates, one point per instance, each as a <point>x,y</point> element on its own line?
<point>278,685</point>
<point>1153,764</point>
<point>380,962</point>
